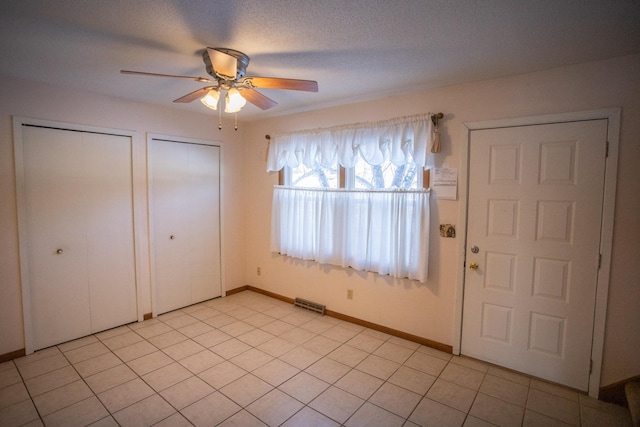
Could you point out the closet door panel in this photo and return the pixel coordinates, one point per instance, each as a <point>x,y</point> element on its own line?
<point>169,163</point>
<point>204,220</point>
<point>56,243</point>
<point>109,225</point>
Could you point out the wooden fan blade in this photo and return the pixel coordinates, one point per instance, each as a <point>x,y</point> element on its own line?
<point>195,94</point>
<point>278,83</point>
<point>223,64</point>
<point>258,99</point>
<point>142,73</point>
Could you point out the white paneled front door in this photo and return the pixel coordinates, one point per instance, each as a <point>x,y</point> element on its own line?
<point>533,245</point>
<point>185,221</point>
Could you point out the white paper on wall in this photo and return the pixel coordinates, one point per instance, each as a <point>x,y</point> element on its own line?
<point>445,183</point>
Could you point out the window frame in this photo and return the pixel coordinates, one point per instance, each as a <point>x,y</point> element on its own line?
<point>346,177</point>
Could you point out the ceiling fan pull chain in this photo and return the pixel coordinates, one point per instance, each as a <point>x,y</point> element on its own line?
<point>219,118</point>
<point>236,122</point>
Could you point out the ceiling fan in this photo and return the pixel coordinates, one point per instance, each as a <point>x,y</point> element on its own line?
<point>227,68</point>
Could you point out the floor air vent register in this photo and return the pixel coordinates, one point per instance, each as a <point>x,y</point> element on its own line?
<point>312,306</point>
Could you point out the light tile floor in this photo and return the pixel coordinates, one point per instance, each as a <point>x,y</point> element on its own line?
<point>251,360</point>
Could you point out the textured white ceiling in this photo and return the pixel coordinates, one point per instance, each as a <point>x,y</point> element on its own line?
<point>355,49</point>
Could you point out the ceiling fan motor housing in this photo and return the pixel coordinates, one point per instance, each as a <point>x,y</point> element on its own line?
<point>242,61</point>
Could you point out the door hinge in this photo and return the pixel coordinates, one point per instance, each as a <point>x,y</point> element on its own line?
<point>599,261</point>
<point>606,151</point>
<point>590,366</point>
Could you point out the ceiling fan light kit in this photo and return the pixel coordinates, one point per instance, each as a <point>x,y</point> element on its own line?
<point>211,99</point>
<point>228,67</point>
<point>234,101</point>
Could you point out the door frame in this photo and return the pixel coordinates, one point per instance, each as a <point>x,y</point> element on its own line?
<point>152,262</point>
<point>138,212</point>
<point>612,116</point>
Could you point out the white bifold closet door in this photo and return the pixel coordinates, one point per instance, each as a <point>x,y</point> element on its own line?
<point>185,222</point>
<point>80,268</point>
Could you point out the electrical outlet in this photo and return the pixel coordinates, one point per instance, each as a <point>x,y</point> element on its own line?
<point>349,293</point>
<point>258,271</point>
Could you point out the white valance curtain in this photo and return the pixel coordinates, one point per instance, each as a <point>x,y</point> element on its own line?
<point>403,139</point>
<point>386,232</point>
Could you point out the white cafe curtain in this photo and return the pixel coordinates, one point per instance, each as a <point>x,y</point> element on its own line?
<point>386,232</point>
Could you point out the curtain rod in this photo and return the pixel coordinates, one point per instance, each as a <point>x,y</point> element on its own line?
<point>435,117</point>
<point>353,190</point>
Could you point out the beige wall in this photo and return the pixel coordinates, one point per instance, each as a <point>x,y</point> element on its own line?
<point>428,310</point>
<point>33,100</point>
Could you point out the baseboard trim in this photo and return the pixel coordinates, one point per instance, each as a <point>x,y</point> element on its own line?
<point>147,316</point>
<point>614,393</point>
<point>394,332</point>
<point>270,294</point>
<point>12,355</point>
<point>236,290</point>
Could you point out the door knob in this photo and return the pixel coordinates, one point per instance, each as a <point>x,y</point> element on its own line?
<point>172,237</point>
<point>473,266</point>
<point>59,251</point>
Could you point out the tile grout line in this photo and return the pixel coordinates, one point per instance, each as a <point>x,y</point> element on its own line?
<point>83,380</point>
<point>364,400</point>
<point>297,322</point>
<point>28,392</point>
<point>154,390</point>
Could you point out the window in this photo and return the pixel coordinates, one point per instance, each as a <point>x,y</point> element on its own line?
<point>354,197</point>
<point>316,177</point>
<point>385,176</point>
<point>362,176</point>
